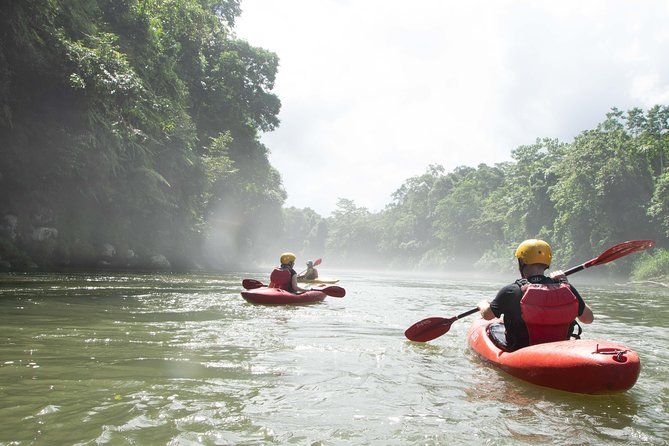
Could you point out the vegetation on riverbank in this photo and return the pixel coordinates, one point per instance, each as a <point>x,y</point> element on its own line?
<point>129,135</point>
<point>652,266</point>
<point>608,185</point>
<point>129,138</point>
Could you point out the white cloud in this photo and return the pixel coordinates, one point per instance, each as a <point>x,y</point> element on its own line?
<point>374,91</point>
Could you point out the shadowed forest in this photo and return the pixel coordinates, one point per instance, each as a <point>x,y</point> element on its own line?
<point>130,138</point>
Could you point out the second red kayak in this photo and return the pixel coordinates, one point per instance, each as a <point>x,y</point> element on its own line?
<point>580,366</point>
<point>275,296</point>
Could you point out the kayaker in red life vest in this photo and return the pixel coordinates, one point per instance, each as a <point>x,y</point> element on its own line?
<point>536,308</point>
<point>285,277</point>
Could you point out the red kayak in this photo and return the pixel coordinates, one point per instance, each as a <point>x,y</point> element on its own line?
<point>275,296</point>
<point>580,366</point>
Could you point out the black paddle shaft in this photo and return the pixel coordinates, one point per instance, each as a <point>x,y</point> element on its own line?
<point>574,269</point>
<point>466,313</point>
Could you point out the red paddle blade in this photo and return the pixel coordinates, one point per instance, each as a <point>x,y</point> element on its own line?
<point>429,329</point>
<point>331,290</point>
<point>252,284</point>
<point>620,250</point>
<point>318,262</point>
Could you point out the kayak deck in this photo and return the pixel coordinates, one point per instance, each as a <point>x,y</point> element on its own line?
<point>580,366</point>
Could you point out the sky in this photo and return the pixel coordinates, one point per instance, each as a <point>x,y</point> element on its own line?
<point>374,91</point>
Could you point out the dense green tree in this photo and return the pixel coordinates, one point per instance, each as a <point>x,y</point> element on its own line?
<point>305,233</point>
<point>134,123</point>
<point>602,192</point>
<point>352,235</point>
<point>659,209</point>
<point>521,207</point>
<point>459,225</point>
<point>408,220</point>
<point>608,185</point>
<point>651,133</point>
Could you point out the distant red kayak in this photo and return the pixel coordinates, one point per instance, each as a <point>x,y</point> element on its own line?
<point>580,366</point>
<point>275,296</point>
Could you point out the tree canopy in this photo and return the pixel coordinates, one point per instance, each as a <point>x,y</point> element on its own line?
<point>132,124</point>
<point>608,185</point>
<point>129,137</point>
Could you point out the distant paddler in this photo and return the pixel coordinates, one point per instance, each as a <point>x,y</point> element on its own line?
<point>310,274</point>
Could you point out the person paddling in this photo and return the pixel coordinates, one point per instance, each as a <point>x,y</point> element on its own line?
<point>310,274</point>
<point>536,308</point>
<point>284,277</point>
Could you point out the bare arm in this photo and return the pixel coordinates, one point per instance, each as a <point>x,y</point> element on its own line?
<point>587,317</point>
<point>486,312</point>
<point>295,286</point>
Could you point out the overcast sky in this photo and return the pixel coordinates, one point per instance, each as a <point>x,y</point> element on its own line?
<point>373,91</point>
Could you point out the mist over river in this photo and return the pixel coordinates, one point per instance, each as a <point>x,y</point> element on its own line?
<point>183,359</point>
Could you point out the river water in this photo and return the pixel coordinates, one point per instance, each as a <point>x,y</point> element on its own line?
<point>182,359</point>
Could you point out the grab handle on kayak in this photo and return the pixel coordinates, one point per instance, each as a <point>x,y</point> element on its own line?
<point>618,355</point>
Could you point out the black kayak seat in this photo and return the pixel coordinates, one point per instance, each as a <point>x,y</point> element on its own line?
<point>497,334</point>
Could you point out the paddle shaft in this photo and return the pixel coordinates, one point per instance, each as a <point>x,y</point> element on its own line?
<point>467,313</point>
<point>575,269</point>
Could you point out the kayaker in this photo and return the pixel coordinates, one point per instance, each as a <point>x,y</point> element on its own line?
<point>285,277</point>
<point>536,308</point>
<point>311,273</point>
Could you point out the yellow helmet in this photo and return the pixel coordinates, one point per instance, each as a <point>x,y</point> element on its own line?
<point>287,257</point>
<point>534,251</point>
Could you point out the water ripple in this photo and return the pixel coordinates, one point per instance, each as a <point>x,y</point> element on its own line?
<point>182,359</point>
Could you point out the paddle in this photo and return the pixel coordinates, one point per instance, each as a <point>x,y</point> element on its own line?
<point>316,263</point>
<point>330,290</point>
<point>433,327</point>
<point>252,284</point>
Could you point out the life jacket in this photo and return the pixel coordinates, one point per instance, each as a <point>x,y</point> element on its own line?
<point>548,311</point>
<point>311,274</point>
<point>282,279</point>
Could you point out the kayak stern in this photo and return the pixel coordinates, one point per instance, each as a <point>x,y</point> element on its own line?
<point>579,366</point>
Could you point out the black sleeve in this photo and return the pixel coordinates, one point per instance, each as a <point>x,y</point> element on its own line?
<point>501,302</point>
<point>581,303</point>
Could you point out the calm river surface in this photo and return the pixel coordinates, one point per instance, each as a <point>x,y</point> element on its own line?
<point>182,359</point>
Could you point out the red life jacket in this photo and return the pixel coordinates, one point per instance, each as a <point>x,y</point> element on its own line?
<point>548,310</point>
<point>282,279</point>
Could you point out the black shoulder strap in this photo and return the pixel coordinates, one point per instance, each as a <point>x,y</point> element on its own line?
<point>575,330</point>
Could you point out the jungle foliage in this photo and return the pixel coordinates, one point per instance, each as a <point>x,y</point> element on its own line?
<point>129,137</point>
<point>129,132</point>
<point>608,185</point>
